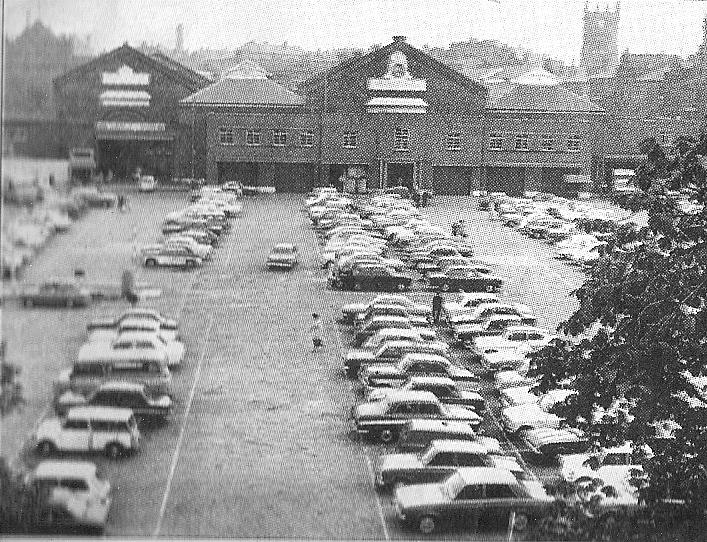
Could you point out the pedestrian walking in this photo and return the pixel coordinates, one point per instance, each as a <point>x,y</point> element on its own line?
<point>121,203</point>
<point>316,330</point>
<point>436,307</point>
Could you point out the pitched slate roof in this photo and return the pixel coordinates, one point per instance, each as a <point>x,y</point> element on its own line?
<point>544,98</point>
<point>245,92</point>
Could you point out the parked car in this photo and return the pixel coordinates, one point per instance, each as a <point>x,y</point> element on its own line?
<point>528,416</point>
<point>439,460</point>
<point>388,352</point>
<point>109,326</point>
<point>283,255</point>
<point>376,277</point>
<point>378,323</point>
<point>547,444</point>
<point>95,198</point>
<point>469,494</point>
<point>174,257</point>
<point>417,434</point>
<point>464,278</point>
<point>420,334</point>
<point>384,375</point>
<point>56,293</point>
<point>495,324</point>
<point>135,344</point>
<point>384,419</point>
<point>147,183</point>
<point>350,310</point>
<point>444,388</point>
<point>120,395</point>
<point>88,429</point>
<point>613,465</point>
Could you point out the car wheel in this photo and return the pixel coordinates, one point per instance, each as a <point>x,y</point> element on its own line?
<point>45,448</point>
<point>113,450</point>
<point>427,524</point>
<point>357,286</point>
<point>401,286</point>
<point>445,287</point>
<point>386,436</point>
<point>150,262</point>
<point>521,522</point>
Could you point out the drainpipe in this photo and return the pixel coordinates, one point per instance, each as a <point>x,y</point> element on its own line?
<point>321,134</point>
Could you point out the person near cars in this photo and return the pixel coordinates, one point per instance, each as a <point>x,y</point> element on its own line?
<point>316,330</point>
<point>436,307</point>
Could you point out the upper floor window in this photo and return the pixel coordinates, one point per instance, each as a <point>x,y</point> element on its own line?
<point>402,139</point>
<point>454,141</point>
<point>306,138</point>
<point>226,136</point>
<point>522,142</point>
<point>496,142</point>
<point>573,143</point>
<point>547,143</point>
<point>279,138</point>
<point>253,137</point>
<point>350,140</point>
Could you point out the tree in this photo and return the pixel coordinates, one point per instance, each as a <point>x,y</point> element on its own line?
<point>640,332</point>
<point>22,507</point>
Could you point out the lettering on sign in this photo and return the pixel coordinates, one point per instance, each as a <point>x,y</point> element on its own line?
<point>125,75</point>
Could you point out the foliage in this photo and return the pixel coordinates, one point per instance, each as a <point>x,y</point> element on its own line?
<point>640,332</point>
<point>10,390</point>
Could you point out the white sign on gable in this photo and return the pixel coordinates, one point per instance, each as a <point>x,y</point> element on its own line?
<point>125,75</point>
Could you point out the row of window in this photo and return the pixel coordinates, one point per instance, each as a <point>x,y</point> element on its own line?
<point>401,140</point>
<point>521,142</point>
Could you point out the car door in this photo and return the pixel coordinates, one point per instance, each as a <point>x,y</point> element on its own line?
<point>75,435</point>
<point>466,506</point>
<point>499,500</point>
<point>440,466</point>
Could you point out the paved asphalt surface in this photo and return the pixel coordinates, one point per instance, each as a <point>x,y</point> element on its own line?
<point>260,444</point>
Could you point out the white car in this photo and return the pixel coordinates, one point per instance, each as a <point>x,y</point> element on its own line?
<point>147,183</point>
<point>511,379</point>
<point>203,251</point>
<point>82,481</point>
<point>612,465</point>
<point>566,248</point>
<point>588,255</point>
<point>172,257</point>
<point>113,431</point>
<point>510,349</point>
<point>522,395</point>
<point>528,416</point>
<point>132,344</point>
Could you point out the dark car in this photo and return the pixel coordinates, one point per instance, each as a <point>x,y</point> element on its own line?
<point>120,395</point>
<point>56,294</point>
<point>469,494</point>
<point>283,256</point>
<point>376,277</point>
<point>464,278</point>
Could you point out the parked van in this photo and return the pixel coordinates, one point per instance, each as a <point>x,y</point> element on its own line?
<point>88,429</point>
<point>416,435</point>
<point>87,375</point>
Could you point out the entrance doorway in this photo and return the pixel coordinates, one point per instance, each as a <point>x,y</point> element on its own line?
<point>122,157</point>
<point>400,174</point>
<point>244,172</point>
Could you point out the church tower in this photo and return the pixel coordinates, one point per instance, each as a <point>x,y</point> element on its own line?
<point>600,49</point>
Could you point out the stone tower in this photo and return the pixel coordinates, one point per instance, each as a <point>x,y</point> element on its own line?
<point>600,50</point>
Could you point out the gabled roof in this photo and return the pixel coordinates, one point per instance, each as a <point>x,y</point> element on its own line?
<point>189,78</point>
<point>358,63</point>
<point>544,98</point>
<point>245,92</point>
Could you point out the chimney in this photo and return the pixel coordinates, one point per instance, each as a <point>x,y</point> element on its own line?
<point>398,38</point>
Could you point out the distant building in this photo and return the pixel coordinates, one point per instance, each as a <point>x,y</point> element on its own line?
<point>600,53</point>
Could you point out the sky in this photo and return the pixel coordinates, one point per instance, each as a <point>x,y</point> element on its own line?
<point>550,27</point>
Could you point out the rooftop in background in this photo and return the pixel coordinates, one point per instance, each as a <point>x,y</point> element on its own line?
<point>254,91</point>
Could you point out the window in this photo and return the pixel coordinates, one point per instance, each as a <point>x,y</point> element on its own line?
<point>496,142</point>
<point>75,484</point>
<point>547,143</point>
<point>76,424</point>
<point>350,140</point>
<point>428,409</point>
<point>470,460</point>
<point>499,491</point>
<point>279,138</point>
<point>253,137</point>
<point>522,142</point>
<point>454,141</point>
<point>226,136</point>
<point>402,139</point>
<point>306,138</point>
<point>573,143</point>
<point>471,492</point>
<point>443,459</point>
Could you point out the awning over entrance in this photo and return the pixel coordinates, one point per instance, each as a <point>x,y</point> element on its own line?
<point>133,131</point>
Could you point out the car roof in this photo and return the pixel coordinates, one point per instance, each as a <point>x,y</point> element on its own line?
<point>548,435</point>
<point>64,469</point>
<point>432,380</point>
<point>495,317</point>
<point>450,426</point>
<point>420,356</point>
<point>511,329</point>
<point>122,414</point>
<point>142,322</point>
<point>384,318</point>
<point>287,246</point>
<point>137,335</point>
<point>405,395</point>
<point>119,385</point>
<point>487,475</point>
<point>455,445</point>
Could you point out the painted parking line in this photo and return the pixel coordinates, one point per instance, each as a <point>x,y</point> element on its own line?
<point>381,516</point>
<point>180,439</point>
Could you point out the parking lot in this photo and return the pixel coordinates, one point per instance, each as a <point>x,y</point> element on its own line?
<point>260,444</point>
